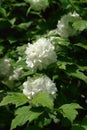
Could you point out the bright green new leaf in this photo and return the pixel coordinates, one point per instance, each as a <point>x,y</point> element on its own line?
<point>14,98</point>
<point>23,115</point>
<point>83,45</point>
<point>69,110</point>
<point>80,25</point>
<point>84,127</point>
<point>43,99</point>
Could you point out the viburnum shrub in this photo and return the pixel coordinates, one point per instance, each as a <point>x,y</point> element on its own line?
<point>43,65</point>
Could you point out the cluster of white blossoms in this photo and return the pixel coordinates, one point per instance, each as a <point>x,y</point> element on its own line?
<point>40,54</point>
<point>16,73</point>
<point>33,86</point>
<point>38,4</point>
<point>5,67</point>
<point>64,29</point>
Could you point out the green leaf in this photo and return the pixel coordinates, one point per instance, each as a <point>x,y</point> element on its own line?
<point>12,21</point>
<point>82,68</point>
<point>43,99</point>
<point>11,39</point>
<point>30,72</point>
<point>79,75</point>
<point>63,64</point>
<point>83,45</point>
<point>54,117</point>
<point>24,26</point>
<point>44,121</point>
<point>74,71</point>
<point>84,123</point>
<point>3,12</point>
<point>80,25</point>
<point>69,110</point>
<point>84,127</point>
<point>23,115</point>
<point>81,126</point>
<point>14,98</point>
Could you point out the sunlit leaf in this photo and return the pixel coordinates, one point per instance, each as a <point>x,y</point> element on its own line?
<point>14,98</point>
<point>80,25</point>
<point>69,110</point>
<point>83,45</point>
<point>43,99</point>
<point>23,115</point>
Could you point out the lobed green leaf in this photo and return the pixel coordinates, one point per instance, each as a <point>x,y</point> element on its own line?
<point>43,99</point>
<point>23,115</point>
<point>69,110</point>
<point>14,98</point>
<point>80,25</point>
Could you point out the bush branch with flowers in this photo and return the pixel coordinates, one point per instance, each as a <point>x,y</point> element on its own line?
<point>43,64</point>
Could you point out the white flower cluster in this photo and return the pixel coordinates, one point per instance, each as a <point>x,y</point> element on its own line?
<point>10,80</point>
<point>16,73</point>
<point>38,4</point>
<point>40,54</point>
<point>64,29</point>
<point>5,67</point>
<point>40,84</point>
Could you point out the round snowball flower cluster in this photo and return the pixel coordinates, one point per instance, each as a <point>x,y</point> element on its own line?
<point>33,86</point>
<point>38,4</point>
<point>64,29</point>
<point>40,54</point>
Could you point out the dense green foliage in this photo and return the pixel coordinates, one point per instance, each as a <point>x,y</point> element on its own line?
<point>20,24</point>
